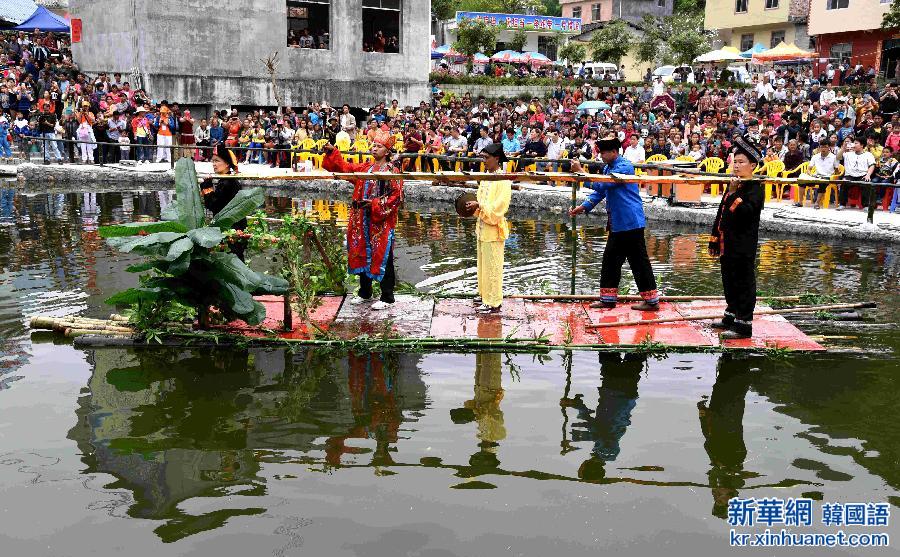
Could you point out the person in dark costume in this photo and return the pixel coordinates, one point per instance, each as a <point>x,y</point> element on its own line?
<point>734,240</point>
<point>617,397</point>
<point>722,425</point>
<point>626,230</point>
<point>218,193</point>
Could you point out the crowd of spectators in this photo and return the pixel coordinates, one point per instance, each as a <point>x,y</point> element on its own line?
<point>794,117</point>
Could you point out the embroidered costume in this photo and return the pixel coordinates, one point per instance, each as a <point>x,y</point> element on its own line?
<point>370,229</point>
<point>734,240</point>
<point>217,194</point>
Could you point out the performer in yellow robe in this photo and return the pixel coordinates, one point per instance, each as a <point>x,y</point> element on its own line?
<point>492,230</point>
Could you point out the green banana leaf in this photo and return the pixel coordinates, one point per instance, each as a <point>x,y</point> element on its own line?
<point>133,296</point>
<point>208,237</point>
<point>191,213</point>
<point>135,228</point>
<point>151,244</point>
<point>179,248</point>
<point>243,204</point>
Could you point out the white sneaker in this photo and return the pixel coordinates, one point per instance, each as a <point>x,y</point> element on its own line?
<point>379,305</point>
<point>356,300</point>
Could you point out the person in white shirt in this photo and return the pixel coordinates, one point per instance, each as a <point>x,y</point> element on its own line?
<point>634,153</point>
<point>859,164</point>
<point>828,96</point>
<point>823,165</point>
<point>764,89</point>
<point>555,146</point>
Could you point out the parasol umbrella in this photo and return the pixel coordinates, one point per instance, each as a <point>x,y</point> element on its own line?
<point>755,49</point>
<point>509,57</point>
<point>537,59</point>
<point>480,59</point>
<point>593,105</point>
<point>782,52</point>
<point>726,54</point>
<point>446,51</point>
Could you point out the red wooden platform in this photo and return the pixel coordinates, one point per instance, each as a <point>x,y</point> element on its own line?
<point>563,323</point>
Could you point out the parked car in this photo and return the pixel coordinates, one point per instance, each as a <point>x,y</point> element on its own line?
<point>675,74</point>
<point>741,75</point>
<point>603,71</point>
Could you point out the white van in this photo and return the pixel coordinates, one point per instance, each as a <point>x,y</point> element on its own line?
<point>603,71</point>
<point>667,74</point>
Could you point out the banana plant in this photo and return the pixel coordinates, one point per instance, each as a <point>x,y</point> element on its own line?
<point>184,265</point>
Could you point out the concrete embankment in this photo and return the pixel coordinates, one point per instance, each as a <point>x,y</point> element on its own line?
<point>531,201</point>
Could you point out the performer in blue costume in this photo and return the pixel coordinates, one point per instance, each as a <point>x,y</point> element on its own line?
<point>626,230</point>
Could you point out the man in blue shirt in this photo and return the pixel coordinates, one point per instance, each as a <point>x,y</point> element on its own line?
<point>626,230</point>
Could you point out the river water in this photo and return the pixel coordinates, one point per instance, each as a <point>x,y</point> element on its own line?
<point>258,452</point>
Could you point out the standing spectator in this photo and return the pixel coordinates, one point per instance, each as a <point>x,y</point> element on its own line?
<point>165,131</point>
<point>143,134</point>
<point>186,137</point>
<point>203,138</point>
<point>47,130</point>
<point>5,150</point>
<point>859,165</point>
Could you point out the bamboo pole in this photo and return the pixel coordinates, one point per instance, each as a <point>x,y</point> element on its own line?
<point>805,309</point>
<point>533,177</point>
<point>72,333</point>
<point>634,298</point>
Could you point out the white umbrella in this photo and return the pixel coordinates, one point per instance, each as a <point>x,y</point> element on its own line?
<point>721,55</point>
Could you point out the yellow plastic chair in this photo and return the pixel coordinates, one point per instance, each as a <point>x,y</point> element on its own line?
<point>712,165</point>
<point>833,187</point>
<point>685,158</point>
<point>344,144</point>
<point>773,169</point>
<point>306,146</point>
<point>802,168</point>
<point>656,158</point>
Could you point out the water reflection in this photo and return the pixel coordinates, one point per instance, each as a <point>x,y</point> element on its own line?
<point>234,427</point>
<point>722,424</point>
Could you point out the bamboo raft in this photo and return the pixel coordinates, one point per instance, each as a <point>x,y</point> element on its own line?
<point>528,323</point>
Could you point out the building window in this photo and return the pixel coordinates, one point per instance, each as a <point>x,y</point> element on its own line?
<point>841,52</point>
<point>381,25</point>
<point>746,41</point>
<point>740,6</point>
<point>595,12</point>
<point>547,47</point>
<point>309,23</point>
<point>777,38</point>
<point>661,3</point>
<point>576,12</point>
<point>836,4</point>
<point>771,4</point>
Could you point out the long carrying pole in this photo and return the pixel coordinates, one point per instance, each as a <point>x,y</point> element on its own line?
<point>595,297</point>
<point>804,309</point>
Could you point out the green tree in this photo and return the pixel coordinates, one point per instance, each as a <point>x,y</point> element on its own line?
<point>572,52</point>
<point>676,39</point>
<point>687,39</point>
<point>891,19</point>
<point>518,41</point>
<point>502,6</point>
<point>612,42</point>
<point>442,10</point>
<point>474,36</point>
<point>552,8</point>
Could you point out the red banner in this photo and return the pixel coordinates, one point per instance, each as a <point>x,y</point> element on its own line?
<point>76,30</point>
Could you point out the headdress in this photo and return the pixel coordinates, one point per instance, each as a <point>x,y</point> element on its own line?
<point>384,138</point>
<point>743,144</point>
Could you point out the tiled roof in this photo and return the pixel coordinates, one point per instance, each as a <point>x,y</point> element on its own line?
<point>16,11</point>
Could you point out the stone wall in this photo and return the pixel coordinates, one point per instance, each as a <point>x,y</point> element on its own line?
<point>201,52</point>
<point>498,91</point>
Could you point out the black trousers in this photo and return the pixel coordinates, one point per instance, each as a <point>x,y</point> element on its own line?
<point>739,284</point>
<point>630,246</point>
<point>387,282</point>
<point>844,190</point>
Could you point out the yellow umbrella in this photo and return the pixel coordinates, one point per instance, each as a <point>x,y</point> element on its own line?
<point>782,51</point>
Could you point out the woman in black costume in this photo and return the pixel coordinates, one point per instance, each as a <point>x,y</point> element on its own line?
<point>218,193</point>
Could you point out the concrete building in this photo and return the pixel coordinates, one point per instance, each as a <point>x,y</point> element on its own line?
<point>743,23</point>
<point>850,31</point>
<point>596,11</point>
<point>208,54</point>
